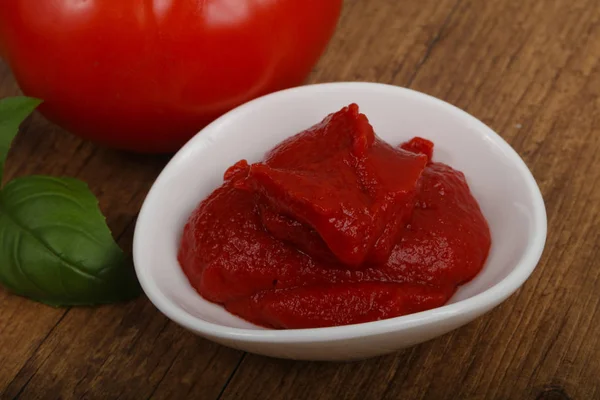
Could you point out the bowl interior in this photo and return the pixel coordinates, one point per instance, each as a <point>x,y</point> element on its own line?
<point>497,177</point>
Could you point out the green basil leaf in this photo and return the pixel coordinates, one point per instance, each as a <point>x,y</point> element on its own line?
<point>13,110</point>
<point>55,246</point>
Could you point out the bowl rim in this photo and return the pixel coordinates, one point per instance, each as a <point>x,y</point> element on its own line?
<point>482,301</point>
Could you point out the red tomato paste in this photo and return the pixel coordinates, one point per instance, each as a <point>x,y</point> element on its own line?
<point>335,227</point>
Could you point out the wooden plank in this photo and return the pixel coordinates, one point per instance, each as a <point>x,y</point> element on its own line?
<point>530,70</point>
<point>131,350</point>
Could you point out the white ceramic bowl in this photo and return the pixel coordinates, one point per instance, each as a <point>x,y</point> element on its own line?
<point>499,179</point>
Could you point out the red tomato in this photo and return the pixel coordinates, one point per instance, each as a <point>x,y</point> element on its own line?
<point>146,75</point>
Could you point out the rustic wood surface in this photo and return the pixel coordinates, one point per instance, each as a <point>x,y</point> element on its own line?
<point>528,68</point>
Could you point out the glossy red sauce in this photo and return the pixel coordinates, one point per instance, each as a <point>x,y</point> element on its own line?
<point>335,227</point>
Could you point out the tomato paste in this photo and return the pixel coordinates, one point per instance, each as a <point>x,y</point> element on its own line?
<point>335,227</point>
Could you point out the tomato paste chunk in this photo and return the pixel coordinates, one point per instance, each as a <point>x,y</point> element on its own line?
<point>343,304</point>
<point>335,227</point>
<point>339,189</point>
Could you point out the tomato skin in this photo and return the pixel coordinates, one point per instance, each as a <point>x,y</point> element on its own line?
<point>146,75</point>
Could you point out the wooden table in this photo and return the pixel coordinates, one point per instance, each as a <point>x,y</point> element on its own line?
<point>528,68</point>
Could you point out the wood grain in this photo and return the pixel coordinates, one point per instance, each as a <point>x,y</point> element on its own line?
<point>529,69</point>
